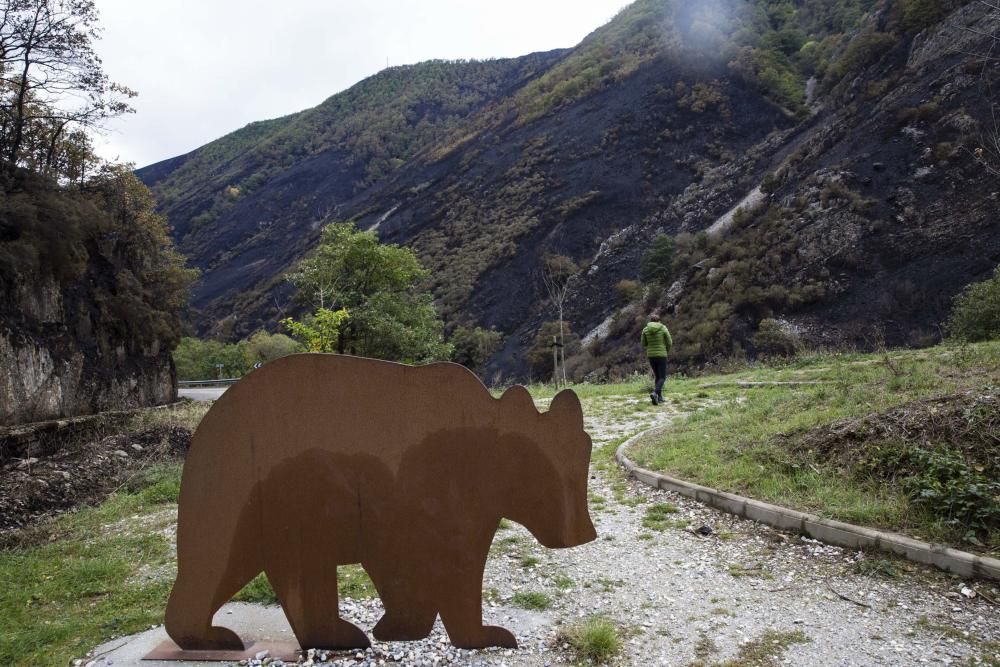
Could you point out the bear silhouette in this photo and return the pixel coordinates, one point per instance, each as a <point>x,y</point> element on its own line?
<point>317,460</point>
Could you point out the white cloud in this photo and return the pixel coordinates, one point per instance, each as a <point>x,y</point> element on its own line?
<point>206,67</point>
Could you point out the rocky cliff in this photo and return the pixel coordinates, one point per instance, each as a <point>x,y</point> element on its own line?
<point>58,362</point>
<point>83,326</point>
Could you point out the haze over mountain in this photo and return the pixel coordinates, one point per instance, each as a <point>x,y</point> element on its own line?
<point>856,136</point>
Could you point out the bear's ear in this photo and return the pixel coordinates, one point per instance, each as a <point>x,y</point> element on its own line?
<point>567,406</point>
<point>517,401</point>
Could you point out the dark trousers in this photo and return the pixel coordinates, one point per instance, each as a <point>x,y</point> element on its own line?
<point>659,366</point>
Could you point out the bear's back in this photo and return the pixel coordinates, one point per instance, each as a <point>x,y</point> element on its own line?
<point>343,404</point>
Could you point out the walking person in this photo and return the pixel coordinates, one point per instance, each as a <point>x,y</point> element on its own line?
<point>657,342</point>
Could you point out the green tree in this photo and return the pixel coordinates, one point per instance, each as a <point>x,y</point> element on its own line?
<point>320,331</point>
<point>975,315</point>
<point>52,84</point>
<point>209,359</point>
<point>392,316</point>
<point>657,264</point>
<point>558,272</point>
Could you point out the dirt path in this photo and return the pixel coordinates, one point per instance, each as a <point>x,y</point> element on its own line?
<point>681,597</point>
<point>744,592</point>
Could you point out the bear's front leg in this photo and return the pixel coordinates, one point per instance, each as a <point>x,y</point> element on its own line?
<point>407,595</point>
<point>461,605</point>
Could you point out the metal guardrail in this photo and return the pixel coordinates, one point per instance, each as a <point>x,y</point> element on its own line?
<point>198,383</point>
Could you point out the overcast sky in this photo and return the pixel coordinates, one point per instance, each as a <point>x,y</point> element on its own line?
<point>206,67</point>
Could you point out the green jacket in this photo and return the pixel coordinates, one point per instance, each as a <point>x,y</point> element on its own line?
<point>656,339</point>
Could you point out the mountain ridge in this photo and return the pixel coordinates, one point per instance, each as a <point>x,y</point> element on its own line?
<point>637,143</point>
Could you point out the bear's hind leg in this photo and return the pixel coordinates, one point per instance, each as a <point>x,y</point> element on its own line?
<point>188,618</point>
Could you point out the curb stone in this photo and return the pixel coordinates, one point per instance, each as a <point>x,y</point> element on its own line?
<point>829,531</point>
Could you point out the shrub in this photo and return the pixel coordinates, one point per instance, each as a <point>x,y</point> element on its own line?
<point>862,52</point>
<point>776,338</point>
<point>474,345</point>
<point>920,14</point>
<point>628,290</point>
<point>658,261</point>
<point>975,315</point>
<point>946,486</point>
<point>770,183</point>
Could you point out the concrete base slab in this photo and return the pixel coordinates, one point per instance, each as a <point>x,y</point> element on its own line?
<point>263,626</point>
<point>168,650</point>
<point>267,626</point>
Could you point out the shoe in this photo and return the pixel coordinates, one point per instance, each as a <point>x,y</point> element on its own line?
<point>652,397</point>
<point>659,399</point>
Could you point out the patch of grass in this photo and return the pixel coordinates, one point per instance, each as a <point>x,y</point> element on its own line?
<point>106,571</point>
<point>258,591</point>
<point>507,545</point>
<point>596,640</point>
<point>656,513</point>
<point>766,650</point>
<point>160,483</point>
<point>531,600</point>
<point>183,413</point>
<point>597,503</point>
<point>562,582</point>
<point>505,525</point>
<point>990,649</point>
<point>603,459</point>
<point>353,582</point>
<point>703,648</point>
<point>529,561</point>
<point>744,442</point>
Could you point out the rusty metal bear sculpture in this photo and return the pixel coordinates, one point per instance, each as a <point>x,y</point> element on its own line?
<point>316,460</point>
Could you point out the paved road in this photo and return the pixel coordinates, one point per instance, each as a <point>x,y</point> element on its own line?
<point>201,393</point>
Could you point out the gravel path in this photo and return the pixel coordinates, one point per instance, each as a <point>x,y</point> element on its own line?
<point>743,593</point>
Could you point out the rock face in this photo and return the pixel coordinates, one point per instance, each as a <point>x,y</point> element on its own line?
<point>91,298</point>
<point>57,363</point>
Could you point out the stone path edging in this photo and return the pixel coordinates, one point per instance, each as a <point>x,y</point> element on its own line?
<point>825,530</point>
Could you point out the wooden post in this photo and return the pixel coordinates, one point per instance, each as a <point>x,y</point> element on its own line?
<point>555,362</point>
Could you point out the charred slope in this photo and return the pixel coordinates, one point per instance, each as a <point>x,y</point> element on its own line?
<point>875,206</point>
<point>568,183</point>
<point>880,211</point>
<point>247,205</point>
